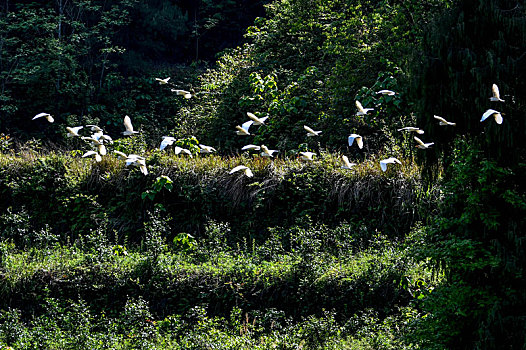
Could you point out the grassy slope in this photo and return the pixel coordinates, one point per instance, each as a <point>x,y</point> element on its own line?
<point>337,245</point>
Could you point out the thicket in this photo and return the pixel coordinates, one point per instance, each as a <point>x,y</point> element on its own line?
<point>193,191</point>
<point>477,238</point>
<point>300,254</point>
<point>95,61</point>
<point>306,63</point>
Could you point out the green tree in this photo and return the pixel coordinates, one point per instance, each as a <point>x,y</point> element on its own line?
<point>55,57</point>
<point>477,238</point>
<point>307,63</point>
<point>469,48</point>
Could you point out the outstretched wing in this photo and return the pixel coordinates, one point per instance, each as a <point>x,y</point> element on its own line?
<point>127,124</point>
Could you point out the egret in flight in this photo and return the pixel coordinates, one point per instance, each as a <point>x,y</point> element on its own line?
<point>384,162</point>
<point>257,121</point>
<point>137,161</point>
<point>98,158</point>
<point>311,132</point>
<point>346,164</point>
<point>361,110</point>
<point>99,136</point>
<point>73,131</point>
<point>358,138</point>
<point>128,126</point>
<point>267,152</point>
<point>250,148</point>
<point>162,81</point>
<point>96,143</point>
<point>94,128</point>
<point>166,141</point>
<point>243,129</point>
<point>245,169</point>
<point>307,156</point>
<point>443,122</point>
<point>178,150</point>
<point>48,117</point>
<point>412,129</point>
<point>386,92</point>
<point>206,149</point>
<point>184,93</point>
<point>421,144</point>
<point>120,155</point>
<point>491,112</point>
<point>496,94</point>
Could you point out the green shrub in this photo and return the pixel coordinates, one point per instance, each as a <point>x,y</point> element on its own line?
<point>474,243</point>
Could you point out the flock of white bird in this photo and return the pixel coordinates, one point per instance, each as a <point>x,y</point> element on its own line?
<point>243,130</point>
<point>99,140</point>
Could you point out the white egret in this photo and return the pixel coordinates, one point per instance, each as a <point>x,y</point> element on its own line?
<point>184,93</point>
<point>102,149</point>
<point>245,169</point>
<point>48,117</point>
<point>106,138</point>
<point>120,155</point>
<point>129,127</point>
<point>257,121</point>
<point>358,138</point>
<point>132,158</point>
<point>73,131</point>
<point>98,158</point>
<point>250,148</point>
<point>307,156</point>
<point>99,136</point>
<point>243,129</point>
<point>384,162</point>
<point>386,92</point>
<point>162,81</point>
<point>94,128</point>
<point>491,112</point>
<point>496,94</point>
<point>178,150</point>
<point>442,121</point>
<point>206,149</point>
<point>138,161</point>
<point>311,132</point>
<point>421,144</point>
<point>412,129</point>
<point>267,152</point>
<point>361,110</point>
<point>96,143</point>
<point>346,163</point>
<point>142,166</point>
<point>166,141</point>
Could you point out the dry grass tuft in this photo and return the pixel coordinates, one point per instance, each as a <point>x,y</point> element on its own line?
<point>363,189</point>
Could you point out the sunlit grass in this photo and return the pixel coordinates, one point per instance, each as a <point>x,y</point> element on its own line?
<point>211,165</point>
<point>66,264</point>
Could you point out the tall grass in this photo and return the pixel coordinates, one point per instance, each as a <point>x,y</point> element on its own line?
<point>203,188</point>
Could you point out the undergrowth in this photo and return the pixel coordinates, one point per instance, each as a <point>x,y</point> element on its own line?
<point>302,255</point>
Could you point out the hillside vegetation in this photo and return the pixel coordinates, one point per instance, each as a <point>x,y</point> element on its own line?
<point>177,252</point>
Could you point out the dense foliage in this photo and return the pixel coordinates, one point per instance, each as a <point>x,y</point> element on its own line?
<point>193,191</point>
<point>477,236</point>
<point>301,254</point>
<point>307,63</point>
<point>94,61</point>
